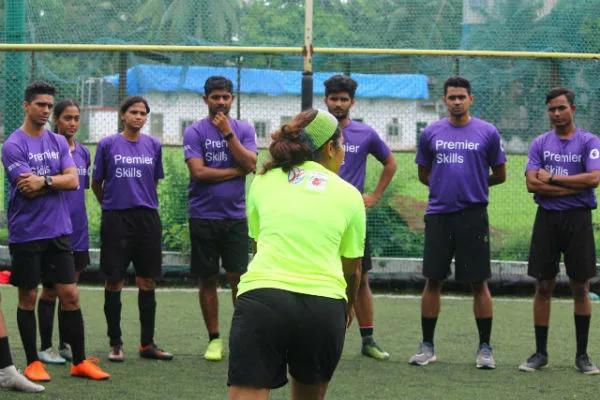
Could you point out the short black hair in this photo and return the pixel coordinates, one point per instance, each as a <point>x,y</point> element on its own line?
<point>36,88</point>
<point>560,91</point>
<point>457,81</point>
<point>340,83</point>
<point>131,100</point>
<point>60,107</point>
<point>217,83</point>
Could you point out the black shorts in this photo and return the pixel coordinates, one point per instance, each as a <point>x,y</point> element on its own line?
<point>367,262</point>
<point>81,260</point>
<point>218,239</point>
<point>569,232</point>
<point>131,235</point>
<point>44,260</point>
<point>272,329</point>
<point>463,235</point>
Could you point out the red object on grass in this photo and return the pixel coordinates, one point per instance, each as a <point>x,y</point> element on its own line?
<point>4,277</point>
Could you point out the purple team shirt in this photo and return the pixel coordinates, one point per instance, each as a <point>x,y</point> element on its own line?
<point>46,216</point>
<point>80,240</point>
<point>129,171</point>
<point>217,200</point>
<point>360,140</point>
<point>578,154</point>
<point>460,159</point>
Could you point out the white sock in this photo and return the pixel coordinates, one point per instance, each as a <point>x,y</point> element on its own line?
<point>10,378</point>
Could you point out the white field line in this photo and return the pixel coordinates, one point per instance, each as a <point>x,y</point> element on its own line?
<point>378,296</point>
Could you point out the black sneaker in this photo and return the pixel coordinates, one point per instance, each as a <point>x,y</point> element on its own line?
<point>151,351</point>
<point>535,362</point>
<point>585,365</point>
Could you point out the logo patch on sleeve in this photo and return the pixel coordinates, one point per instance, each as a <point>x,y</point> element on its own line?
<point>296,176</point>
<point>316,181</point>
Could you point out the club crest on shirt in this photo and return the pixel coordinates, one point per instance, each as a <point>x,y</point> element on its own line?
<point>296,176</point>
<point>316,180</point>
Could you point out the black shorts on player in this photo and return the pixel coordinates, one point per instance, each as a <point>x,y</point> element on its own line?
<point>463,235</point>
<point>274,329</point>
<point>81,260</point>
<point>44,260</point>
<point>569,232</point>
<point>212,239</point>
<point>131,235</point>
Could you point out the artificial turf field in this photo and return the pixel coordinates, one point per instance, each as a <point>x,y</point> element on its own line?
<point>180,330</point>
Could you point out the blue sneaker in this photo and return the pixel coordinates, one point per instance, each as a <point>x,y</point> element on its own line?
<point>485,357</point>
<point>424,356</point>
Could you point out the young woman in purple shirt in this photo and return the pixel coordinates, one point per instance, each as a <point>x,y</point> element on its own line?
<point>127,168</point>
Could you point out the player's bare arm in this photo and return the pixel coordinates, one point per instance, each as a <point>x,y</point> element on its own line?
<point>585,180</point>
<point>352,273</point>
<point>29,183</point>
<point>424,174</point>
<point>243,157</point>
<point>535,185</point>
<point>498,175</point>
<point>97,189</point>
<point>389,169</point>
<point>200,172</point>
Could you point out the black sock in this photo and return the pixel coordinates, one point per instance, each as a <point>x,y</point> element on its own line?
<point>484,326</point>
<point>582,329</point>
<point>26,323</point>
<point>5,357</point>
<point>428,327</point>
<point>366,331</point>
<point>45,313</point>
<point>212,336</point>
<point>61,329</point>
<point>74,334</point>
<point>147,308</point>
<point>112,311</point>
<point>541,339</point>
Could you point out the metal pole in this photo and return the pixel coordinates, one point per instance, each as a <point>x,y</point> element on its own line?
<point>122,92</point>
<point>307,50</point>
<point>14,72</point>
<point>238,94</point>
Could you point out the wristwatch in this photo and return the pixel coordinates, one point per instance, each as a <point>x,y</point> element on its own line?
<point>550,177</point>
<point>48,181</point>
<point>229,136</point>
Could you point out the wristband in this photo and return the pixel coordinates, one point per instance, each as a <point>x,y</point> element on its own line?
<point>229,136</point>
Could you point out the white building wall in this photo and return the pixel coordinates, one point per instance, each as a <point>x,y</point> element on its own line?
<point>178,110</point>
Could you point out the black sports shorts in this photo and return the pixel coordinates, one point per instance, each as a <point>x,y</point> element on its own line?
<point>273,329</point>
<point>464,235</point>
<point>218,239</point>
<point>569,232</point>
<point>131,235</point>
<point>44,260</point>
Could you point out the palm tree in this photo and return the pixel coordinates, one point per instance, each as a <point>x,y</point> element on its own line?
<point>190,21</point>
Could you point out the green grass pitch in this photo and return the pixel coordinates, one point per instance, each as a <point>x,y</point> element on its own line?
<point>397,328</point>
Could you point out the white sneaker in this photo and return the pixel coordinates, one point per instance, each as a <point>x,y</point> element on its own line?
<point>66,352</point>
<point>10,378</point>
<point>50,356</point>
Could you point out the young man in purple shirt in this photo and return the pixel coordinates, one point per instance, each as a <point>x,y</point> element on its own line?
<point>563,169</point>
<point>219,152</point>
<point>39,166</point>
<point>127,168</point>
<point>454,158</point>
<point>360,140</point>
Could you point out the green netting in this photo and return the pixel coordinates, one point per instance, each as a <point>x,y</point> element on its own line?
<point>509,92</point>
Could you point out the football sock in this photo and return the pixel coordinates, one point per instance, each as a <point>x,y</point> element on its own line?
<point>582,329</point>
<point>541,339</point>
<point>26,323</point>
<point>147,308</point>
<point>484,326</point>
<point>5,356</point>
<point>112,311</point>
<point>74,334</point>
<point>45,313</point>
<point>428,327</point>
<point>212,336</point>
<point>366,333</point>
<point>61,329</point>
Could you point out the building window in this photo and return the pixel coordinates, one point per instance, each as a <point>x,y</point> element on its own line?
<point>393,129</point>
<point>156,125</point>
<point>261,129</point>
<point>184,124</point>
<point>285,119</point>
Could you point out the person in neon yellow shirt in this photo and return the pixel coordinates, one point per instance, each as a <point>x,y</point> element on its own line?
<point>294,303</point>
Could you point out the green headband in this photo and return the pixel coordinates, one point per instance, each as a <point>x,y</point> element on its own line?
<point>321,129</point>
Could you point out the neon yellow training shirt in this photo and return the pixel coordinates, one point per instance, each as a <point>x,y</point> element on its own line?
<point>303,222</point>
